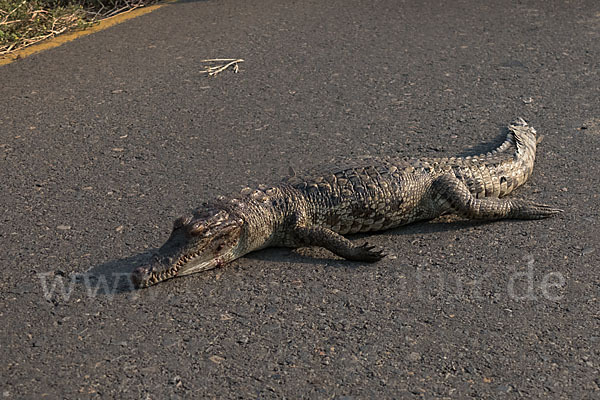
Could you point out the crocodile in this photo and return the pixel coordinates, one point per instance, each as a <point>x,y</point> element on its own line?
<point>320,210</point>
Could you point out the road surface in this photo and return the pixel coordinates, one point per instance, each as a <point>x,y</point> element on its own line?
<point>106,139</point>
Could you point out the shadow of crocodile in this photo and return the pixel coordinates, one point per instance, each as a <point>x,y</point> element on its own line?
<point>113,277</point>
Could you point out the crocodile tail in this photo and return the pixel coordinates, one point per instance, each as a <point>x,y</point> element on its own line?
<point>525,140</point>
<point>520,142</point>
<point>524,137</point>
<point>510,164</point>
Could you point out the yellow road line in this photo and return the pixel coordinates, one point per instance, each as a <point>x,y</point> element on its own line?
<point>67,37</point>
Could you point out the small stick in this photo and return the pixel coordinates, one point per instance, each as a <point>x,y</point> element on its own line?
<point>212,71</point>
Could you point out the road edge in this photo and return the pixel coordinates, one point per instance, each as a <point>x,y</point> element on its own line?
<point>68,37</point>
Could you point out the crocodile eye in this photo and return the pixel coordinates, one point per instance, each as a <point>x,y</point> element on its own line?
<point>197,228</point>
<point>181,221</point>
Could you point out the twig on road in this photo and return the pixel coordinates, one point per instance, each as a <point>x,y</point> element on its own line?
<point>213,70</point>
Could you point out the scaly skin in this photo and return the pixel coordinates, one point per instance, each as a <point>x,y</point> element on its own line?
<point>317,211</point>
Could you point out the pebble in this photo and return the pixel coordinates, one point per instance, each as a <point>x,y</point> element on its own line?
<point>503,388</point>
<point>216,359</point>
<point>587,250</point>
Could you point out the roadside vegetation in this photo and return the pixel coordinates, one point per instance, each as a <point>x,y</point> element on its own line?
<point>26,22</point>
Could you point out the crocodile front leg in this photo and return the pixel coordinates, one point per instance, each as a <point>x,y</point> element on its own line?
<point>336,243</point>
<point>457,195</point>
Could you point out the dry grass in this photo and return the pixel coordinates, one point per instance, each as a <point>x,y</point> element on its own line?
<point>26,22</point>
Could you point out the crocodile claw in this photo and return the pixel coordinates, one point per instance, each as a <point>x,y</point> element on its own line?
<point>368,253</point>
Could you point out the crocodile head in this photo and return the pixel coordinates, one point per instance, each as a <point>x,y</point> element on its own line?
<point>206,240</point>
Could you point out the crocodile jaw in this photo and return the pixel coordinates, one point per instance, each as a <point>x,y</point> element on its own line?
<point>143,277</point>
<point>197,243</point>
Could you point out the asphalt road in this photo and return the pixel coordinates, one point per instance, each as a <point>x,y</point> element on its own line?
<point>103,141</point>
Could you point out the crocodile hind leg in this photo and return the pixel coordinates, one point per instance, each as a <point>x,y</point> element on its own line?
<point>336,243</point>
<point>457,195</point>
